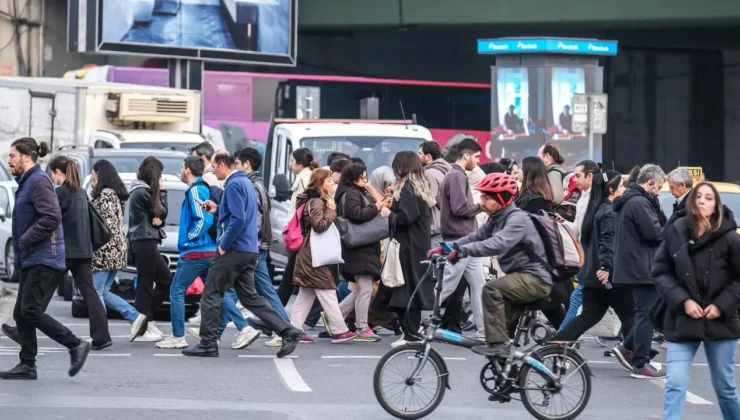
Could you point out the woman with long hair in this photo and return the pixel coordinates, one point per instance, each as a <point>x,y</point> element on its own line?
<point>78,244</point>
<point>535,194</point>
<point>318,216</point>
<point>597,240</point>
<point>147,215</point>
<point>695,270</point>
<point>410,221</point>
<point>361,264</point>
<point>109,196</point>
<point>302,165</point>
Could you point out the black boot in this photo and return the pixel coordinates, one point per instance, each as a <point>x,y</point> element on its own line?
<point>11,333</point>
<point>21,371</point>
<point>199,350</point>
<point>78,356</point>
<point>291,336</point>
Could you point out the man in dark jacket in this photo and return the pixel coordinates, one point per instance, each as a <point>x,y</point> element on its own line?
<point>680,182</point>
<point>458,211</point>
<point>234,265</point>
<point>38,242</point>
<point>250,161</point>
<point>638,234</point>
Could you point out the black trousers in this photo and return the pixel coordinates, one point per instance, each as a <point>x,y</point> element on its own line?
<point>154,277</point>
<point>451,320</point>
<point>234,269</point>
<point>36,287</point>
<point>640,337</point>
<point>410,323</point>
<point>285,290</point>
<point>81,269</point>
<point>596,300</point>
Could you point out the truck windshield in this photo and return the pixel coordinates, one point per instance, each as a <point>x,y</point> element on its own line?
<point>131,163</point>
<point>172,145</point>
<point>374,151</point>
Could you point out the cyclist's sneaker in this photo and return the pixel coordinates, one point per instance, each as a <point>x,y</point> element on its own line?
<point>341,338</point>
<point>306,339</point>
<point>493,350</point>
<point>647,372</point>
<point>367,335</point>
<point>624,356</point>
<point>401,340</point>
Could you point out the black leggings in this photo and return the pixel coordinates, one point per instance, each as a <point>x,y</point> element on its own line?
<point>285,290</point>
<point>151,269</point>
<point>596,301</point>
<point>81,269</point>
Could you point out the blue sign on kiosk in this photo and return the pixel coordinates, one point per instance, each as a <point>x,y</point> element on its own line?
<point>547,46</point>
<point>534,81</point>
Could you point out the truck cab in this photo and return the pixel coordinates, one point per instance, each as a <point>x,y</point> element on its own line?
<point>376,142</point>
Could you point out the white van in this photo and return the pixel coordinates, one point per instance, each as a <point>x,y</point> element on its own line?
<point>376,142</point>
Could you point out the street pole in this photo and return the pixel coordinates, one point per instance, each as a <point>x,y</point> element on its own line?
<point>590,128</point>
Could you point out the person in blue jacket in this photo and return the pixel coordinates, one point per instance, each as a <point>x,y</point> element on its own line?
<point>197,250</point>
<point>236,258</point>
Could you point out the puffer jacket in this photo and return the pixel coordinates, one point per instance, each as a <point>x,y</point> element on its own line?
<point>365,259</point>
<point>75,221</point>
<point>707,271</point>
<point>435,173</point>
<point>141,213</point>
<point>38,236</point>
<point>319,217</point>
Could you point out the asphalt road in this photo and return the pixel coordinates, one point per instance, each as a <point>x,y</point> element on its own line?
<point>321,380</point>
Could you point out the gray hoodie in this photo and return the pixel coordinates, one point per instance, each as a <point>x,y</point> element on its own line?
<point>500,237</point>
<point>556,173</point>
<point>434,173</point>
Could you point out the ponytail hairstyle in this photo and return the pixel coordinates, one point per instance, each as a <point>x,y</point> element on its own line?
<point>304,157</point>
<point>28,146</point>
<point>150,172</point>
<point>604,184</point>
<point>68,167</point>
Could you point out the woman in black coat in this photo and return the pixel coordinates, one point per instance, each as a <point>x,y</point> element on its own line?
<point>410,221</point>
<point>361,264</point>
<point>597,240</point>
<point>697,273</point>
<point>78,245</point>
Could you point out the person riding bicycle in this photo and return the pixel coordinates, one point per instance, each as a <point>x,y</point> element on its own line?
<point>510,235</point>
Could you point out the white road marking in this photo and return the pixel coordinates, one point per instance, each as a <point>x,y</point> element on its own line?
<point>168,355</point>
<point>263,356</point>
<point>290,375</point>
<point>110,324</point>
<point>109,354</point>
<point>690,398</point>
<point>351,357</point>
<point>81,337</point>
<point>16,354</point>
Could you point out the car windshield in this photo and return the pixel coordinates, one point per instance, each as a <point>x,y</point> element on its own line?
<point>174,145</point>
<point>130,163</point>
<point>374,151</point>
<point>175,197</point>
<point>729,199</point>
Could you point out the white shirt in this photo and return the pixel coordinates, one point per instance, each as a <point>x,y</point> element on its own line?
<point>680,199</point>
<point>580,213</point>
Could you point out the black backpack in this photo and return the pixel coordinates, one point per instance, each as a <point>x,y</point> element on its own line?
<point>215,195</point>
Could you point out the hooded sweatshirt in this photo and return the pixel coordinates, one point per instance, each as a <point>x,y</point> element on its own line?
<point>556,175</point>
<point>457,208</point>
<point>299,185</point>
<point>435,173</point>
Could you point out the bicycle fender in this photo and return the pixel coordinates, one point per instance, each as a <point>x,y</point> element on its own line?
<point>443,365</point>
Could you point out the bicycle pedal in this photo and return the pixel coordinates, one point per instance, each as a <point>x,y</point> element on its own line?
<point>500,398</point>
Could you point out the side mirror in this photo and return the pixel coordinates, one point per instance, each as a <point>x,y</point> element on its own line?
<point>3,216</point>
<point>282,191</point>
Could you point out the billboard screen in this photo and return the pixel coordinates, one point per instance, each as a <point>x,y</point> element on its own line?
<point>244,31</point>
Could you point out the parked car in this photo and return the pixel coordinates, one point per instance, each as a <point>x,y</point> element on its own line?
<point>124,285</point>
<point>125,160</point>
<point>8,188</point>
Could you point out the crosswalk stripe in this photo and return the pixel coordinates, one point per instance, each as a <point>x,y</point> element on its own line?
<point>290,375</point>
<point>690,398</point>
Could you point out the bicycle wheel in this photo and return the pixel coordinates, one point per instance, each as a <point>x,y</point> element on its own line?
<point>541,402</point>
<point>397,394</point>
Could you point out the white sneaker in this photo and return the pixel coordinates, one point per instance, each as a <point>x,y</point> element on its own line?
<point>195,319</point>
<point>230,325</point>
<point>153,328</point>
<point>136,326</point>
<point>195,333</point>
<point>276,341</point>
<point>398,343</point>
<point>481,335</point>
<point>245,337</point>
<point>173,343</point>
<point>148,337</point>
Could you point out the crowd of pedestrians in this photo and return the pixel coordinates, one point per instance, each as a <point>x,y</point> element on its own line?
<point>676,276</point>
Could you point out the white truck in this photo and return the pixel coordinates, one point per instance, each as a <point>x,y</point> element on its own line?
<point>376,142</point>
<point>67,112</point>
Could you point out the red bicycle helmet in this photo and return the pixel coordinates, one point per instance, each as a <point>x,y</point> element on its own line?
<point>497,183</point>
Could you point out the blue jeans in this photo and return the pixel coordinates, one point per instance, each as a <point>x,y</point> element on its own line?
<point>187,271</point>
<point>721,360</point>
<point>576,300</point>
<point>264,287</point>
<point>103,280</point>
